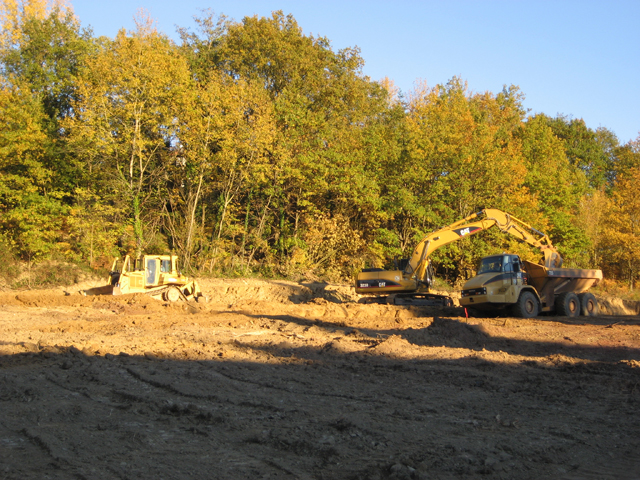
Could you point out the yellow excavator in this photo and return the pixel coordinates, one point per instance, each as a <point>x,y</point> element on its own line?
<point>155,275</point>
<point>412,284</point>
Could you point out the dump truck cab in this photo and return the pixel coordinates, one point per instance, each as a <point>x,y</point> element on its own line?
<point>499,281</point>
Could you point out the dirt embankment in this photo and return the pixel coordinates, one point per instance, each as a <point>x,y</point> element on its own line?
<point>299,381</point>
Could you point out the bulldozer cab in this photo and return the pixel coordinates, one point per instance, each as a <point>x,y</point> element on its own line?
<point>159,269</point>
<point>147,271</point>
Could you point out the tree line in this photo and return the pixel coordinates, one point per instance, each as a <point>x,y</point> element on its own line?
<point>251,148</point>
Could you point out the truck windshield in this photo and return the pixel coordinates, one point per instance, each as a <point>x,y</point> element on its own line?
<point>490,264</point>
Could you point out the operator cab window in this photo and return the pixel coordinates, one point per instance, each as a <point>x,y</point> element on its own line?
<point>151,271</point>
<point>507,266</point>
<point>517,267</point>
<point>166,266</point>
<point>490,264</point>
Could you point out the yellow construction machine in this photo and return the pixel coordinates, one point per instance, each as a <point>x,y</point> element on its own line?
<point>524,289</point>
<point>411,283</point>
<point>154,275</point>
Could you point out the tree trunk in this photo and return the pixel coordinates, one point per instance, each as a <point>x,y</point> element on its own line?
<point>137,226</point>
<point>192,205</point>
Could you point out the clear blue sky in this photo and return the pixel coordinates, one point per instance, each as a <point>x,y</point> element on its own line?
<point>579,58</point>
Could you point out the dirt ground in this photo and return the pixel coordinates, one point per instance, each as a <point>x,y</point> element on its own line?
<point>277,380</point>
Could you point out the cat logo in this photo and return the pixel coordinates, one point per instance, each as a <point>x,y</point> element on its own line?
<point>467,231</point>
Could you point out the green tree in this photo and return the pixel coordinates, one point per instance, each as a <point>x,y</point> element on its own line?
<point>31,213</point>
<point>622,230</point>
<point>48,57</point>
<point>224,133</point>
<point>592,220</point>
<point>43,49</point>
<point>322,109</point>
<point>94,227</point>
<point>627,157</point>
<point>125,121</point>
<point>555,184</point>
<point>591,151</point>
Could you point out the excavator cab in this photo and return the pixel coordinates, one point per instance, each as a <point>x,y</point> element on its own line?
<point>400,263</point>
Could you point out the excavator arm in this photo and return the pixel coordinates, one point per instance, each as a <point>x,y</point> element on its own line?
<point>483,220</point>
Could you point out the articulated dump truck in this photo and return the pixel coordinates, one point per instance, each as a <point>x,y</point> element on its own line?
<point>154,275</point>
<point>504,282</point>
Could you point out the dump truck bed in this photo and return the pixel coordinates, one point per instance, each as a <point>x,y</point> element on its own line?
<point>553,281</point>
<point>575,280</point>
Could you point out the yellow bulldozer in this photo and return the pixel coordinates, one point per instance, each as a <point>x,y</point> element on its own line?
<point>154,275</point>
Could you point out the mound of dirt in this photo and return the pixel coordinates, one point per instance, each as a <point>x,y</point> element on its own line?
<point>617,306</point>
<point>233,291</point>
<point>447,332</point>
<point>396,347</point>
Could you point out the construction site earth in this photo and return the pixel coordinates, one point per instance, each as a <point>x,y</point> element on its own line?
<point>280,380</point>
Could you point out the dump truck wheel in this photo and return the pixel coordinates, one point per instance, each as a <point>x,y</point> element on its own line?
<point>588,304</point>
<point>527,306</point>
<point>171,295</point>
<point>568,304</point>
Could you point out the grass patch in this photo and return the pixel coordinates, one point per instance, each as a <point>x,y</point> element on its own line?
<point>9,266</point>
<point>50,273</point>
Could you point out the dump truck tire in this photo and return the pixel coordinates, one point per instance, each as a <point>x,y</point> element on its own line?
<point>171,295</point>
<point>527,306</point>
<point>568,304</point>
<point>588,304</point>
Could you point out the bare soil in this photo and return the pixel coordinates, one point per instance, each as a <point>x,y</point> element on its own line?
<point>278,380</point>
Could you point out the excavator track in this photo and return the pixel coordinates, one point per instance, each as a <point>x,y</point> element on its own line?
<point>420,299</point>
